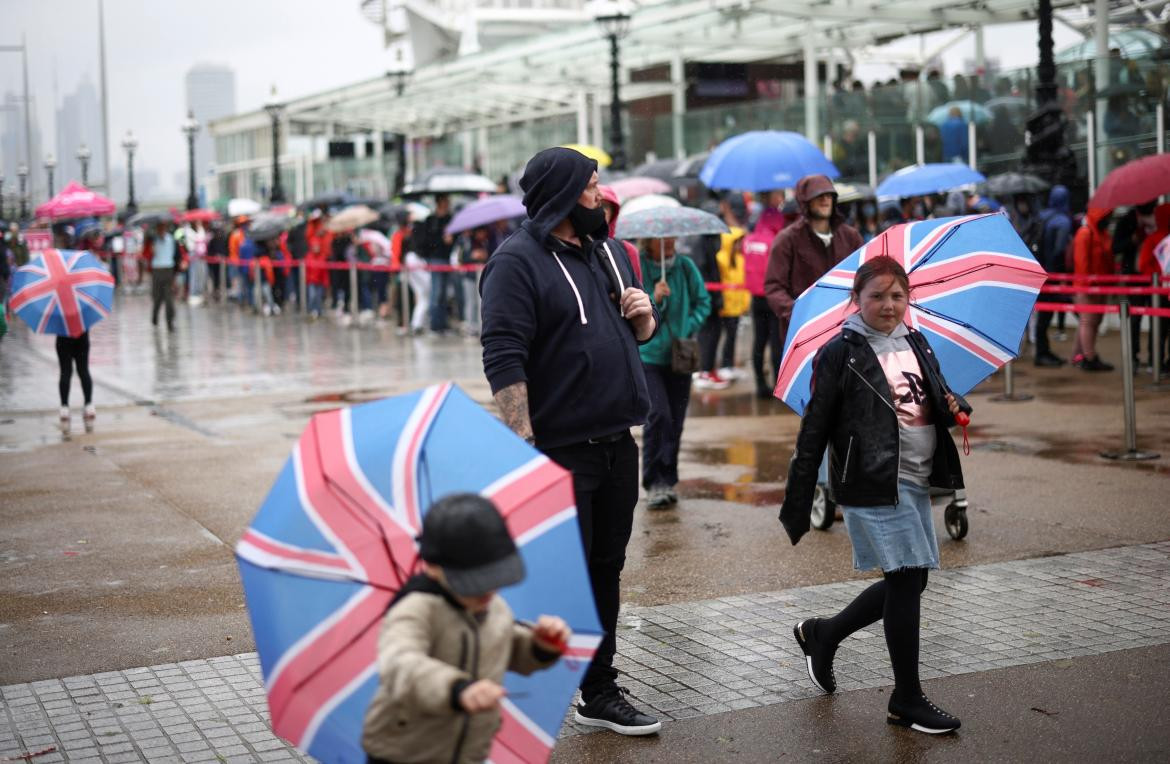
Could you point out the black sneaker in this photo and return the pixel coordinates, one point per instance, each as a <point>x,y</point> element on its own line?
<point>919,714</point>
<point>1096,364</point>
<point>818,657</point>
<point>611,710</point>
<point>1049,360</point>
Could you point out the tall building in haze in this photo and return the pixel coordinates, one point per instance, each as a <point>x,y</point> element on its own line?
<point>79,120</point>
<point>211,94</point>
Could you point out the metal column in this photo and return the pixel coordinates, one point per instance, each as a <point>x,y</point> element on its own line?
<point>678,106</point>
<point>1131,452</point>
<point>872,140</point>
<point>812,127</point>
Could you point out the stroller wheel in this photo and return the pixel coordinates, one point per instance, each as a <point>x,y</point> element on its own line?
<point>955,519</point>
<point>824,511</point>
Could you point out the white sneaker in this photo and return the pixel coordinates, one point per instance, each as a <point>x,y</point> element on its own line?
<point>709,380</point>
<point>731,373</point>
<point>64,414</point>
<point>90,412</point>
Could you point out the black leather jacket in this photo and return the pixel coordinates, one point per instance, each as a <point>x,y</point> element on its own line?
<point>852,413</point>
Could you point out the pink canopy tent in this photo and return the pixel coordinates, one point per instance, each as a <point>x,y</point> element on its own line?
<point>75,201</point>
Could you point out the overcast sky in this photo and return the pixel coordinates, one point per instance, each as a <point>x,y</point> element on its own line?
<point>301,46</point>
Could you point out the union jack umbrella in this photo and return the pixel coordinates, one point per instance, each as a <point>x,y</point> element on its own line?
<point>973,282</point>
<point>334,541</point>
<point>63,292</point>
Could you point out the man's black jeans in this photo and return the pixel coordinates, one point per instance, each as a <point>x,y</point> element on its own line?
<point>605,484</point>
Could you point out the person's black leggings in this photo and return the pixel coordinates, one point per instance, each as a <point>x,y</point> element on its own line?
<point>896,601</point>
<point>74,351</point>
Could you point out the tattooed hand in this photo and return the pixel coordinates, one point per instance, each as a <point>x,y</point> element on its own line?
<point>513,404</point>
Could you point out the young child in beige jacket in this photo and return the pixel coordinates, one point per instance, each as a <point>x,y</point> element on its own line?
<point>447,640</point>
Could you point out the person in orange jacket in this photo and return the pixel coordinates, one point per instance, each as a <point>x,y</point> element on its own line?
<point>1092,256</point>
<point>235,241</point>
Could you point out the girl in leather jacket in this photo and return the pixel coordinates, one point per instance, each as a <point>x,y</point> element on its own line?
<point>882,408</point>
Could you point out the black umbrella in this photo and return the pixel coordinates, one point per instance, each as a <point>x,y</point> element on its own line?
<point>691,166</point>
<point>1008,183</point>
<point>150,219</point>
<point>449,180</point>
<point>663,169</point>
<point>267,226</point>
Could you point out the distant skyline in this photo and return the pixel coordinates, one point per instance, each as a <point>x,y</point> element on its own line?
<point>300,46</point>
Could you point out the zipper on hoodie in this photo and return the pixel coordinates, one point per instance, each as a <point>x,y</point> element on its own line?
<point>845,467</point>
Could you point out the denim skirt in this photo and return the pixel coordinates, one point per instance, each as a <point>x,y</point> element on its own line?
<point>894,537</point>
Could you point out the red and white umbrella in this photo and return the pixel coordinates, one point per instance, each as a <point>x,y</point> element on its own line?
<point>76,201</point>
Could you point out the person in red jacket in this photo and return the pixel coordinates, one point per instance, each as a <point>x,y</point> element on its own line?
<point>613,207</point>
<point>1092,256</point>
<point>1148,265</point>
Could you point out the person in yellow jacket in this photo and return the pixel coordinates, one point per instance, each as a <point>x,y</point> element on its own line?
<point>736,302</point>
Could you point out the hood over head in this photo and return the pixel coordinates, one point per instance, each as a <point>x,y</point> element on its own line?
<point>1058,199</point>
<point>810,187</point>
<point>553,180</point>
<point>1095,215</point>
<point>609,195</point>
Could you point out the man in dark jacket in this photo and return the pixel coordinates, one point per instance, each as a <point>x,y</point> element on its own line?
<point>807,249</point>
<point>1055,233</point>
<point>563,314</point>
<point>432,243</point>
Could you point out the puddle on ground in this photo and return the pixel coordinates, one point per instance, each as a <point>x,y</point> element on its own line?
<point>347,396</point>
<point>707,404</point>
<point>762,468</point>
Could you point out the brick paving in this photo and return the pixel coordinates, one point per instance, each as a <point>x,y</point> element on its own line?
<point>683,660</point>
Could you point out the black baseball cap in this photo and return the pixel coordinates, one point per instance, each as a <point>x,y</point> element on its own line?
<point>465,534</point>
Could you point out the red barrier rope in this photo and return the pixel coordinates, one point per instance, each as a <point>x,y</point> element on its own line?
<point>1134,310</point>
<point>1131,278</point>
<point>1118,290</point>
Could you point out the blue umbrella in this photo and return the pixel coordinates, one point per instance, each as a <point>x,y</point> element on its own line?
<point>969,111</point>
<point>668,222</point>
<point>63,292</point>
<point>927,179</point>
<point>334,540</point>
<point>973,282</point>
<point>763,160</point>
<point>486,211</point>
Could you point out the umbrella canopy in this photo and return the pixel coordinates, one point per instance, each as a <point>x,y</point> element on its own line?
<point>352,217</point>
<point>201,216</point>
<point>63,292</point>
<point>486,211</point>
<point>329,200</point>
<point>663,169</point>
<point>692,165</point>
<point>1135,182</point>
<point>762,160</point>
<point>334,541</point>
<point>853,192</point>
<point>973,282</point>
<point>75,201</point>
<point>595,153</point>
<point>418,211</point>
<point>635,186</point>
<point>267,226</point>
<point>150,219</point>
<point>668,222</point>
<point>1162,255</point>
<point>238,207</point>
<point>1133,43</point>
<point>1015,106</point>
<point>918,180</point>
<point>649,202</point>
<point>968,110</point>
<point>1008,183</point>
<point>450,180</point>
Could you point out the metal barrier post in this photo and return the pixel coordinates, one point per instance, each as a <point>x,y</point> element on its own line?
<point>920,144</point>
<point>1131,453</point>
<point>1091,149</point>
<point>303,287</point>
<point>404,297</point>
<point>872,141</point>
<point>1009,393</point>
<point>257,290</point>
<point>353,288</point>
<point>972,144</point>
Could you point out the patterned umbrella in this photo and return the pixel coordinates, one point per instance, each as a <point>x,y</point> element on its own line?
<point>973,282</point>
<point>918,180</point>
<point>62,292</point>
<point>334,540</point>
<point>763,160</point>
<point>649,202</point>
<point>75,201</point>
<point>668,222</point>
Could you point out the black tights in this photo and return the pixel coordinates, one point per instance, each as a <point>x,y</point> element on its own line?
<point>70,351</point>
<point>895,600</point>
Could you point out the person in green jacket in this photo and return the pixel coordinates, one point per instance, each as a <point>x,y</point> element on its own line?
<point>683,304</point>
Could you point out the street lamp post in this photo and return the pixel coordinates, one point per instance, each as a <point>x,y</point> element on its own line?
<point>130,143</point>
<point>1,194</point>
<point>398,77</point>
<point>22,176</point>
<point>615,22</point>
<point>191,129</point>
<point>1046,151</point>
<point>83,156</point>
<point>274,109</point>
<point>50,165</point>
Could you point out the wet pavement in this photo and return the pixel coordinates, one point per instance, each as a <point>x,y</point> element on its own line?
<point>117,550</point>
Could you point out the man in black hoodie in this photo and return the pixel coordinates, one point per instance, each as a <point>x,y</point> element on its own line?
<point>563,314</point>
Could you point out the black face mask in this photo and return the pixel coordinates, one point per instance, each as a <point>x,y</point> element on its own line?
<point>587,222</point>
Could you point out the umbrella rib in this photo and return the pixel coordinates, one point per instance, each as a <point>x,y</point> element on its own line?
<point>965,325</point>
